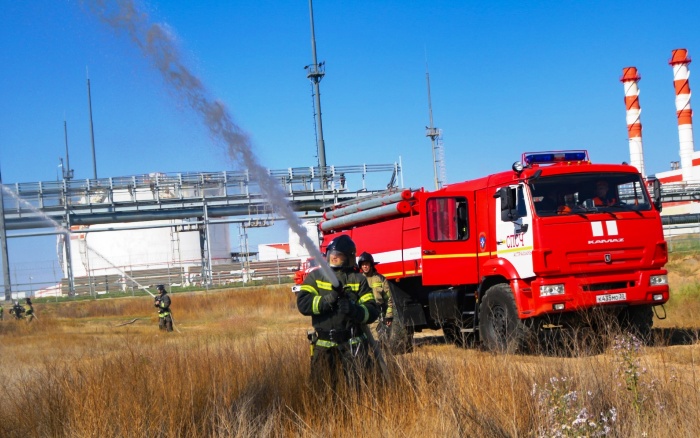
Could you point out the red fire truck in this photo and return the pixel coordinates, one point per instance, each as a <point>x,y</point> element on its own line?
<point>543,245</point>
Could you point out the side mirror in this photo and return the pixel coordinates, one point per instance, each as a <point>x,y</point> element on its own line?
<point>508,210</point>
<point>656,193</point>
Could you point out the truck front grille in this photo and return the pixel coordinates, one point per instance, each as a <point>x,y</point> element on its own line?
<point>583,261</point>
<point>608,286</point>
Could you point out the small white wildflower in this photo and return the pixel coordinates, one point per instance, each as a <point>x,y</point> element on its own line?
<point>571,396</point>
<point>578,421</point>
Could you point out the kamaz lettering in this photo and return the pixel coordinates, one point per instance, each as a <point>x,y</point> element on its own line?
<point>599,241</point>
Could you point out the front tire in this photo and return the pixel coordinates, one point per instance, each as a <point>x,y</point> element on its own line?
<point>637,320</point>
<point>500,328</point>
<point>401,339</point>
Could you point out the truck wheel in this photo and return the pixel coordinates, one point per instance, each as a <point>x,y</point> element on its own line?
<point>500,328</point>
<point>401,338</point>
<point>637,320</point>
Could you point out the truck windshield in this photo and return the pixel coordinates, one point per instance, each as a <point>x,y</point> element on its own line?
<point>588,192</point>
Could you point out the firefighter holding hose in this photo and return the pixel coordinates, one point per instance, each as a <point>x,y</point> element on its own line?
<point>338,314</point>
<point>162,303</point>
<point>29,310</point>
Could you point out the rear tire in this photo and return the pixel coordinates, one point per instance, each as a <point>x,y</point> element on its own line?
<point>454,335</point>
<point>500,328</point>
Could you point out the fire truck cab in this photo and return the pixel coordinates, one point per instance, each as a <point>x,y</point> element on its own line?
<point>545,243</point>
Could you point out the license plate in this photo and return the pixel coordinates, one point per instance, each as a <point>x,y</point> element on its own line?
<point>610,298</point>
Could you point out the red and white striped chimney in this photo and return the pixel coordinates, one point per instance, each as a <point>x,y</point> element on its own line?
<point>679,61</point>
<point>629,80</point>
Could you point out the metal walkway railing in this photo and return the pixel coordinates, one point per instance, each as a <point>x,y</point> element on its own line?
<point>179,195</point>
<point>676,192</point>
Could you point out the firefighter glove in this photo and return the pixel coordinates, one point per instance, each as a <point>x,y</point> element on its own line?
<point>345,306</point>
<point>331,298</point>
<point>357,314</point>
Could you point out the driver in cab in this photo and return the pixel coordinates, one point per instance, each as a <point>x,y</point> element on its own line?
<point>603,198</point>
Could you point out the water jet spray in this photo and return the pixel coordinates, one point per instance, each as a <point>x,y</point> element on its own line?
<point>64,230</point>
<point>156,42</point>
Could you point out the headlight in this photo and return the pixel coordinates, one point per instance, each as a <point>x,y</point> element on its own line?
<point>658,280</point>
<point>551,289</point>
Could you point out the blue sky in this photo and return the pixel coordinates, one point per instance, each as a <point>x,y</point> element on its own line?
<point>506,77</point>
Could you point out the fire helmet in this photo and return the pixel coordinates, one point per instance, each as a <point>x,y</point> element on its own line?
<point>160,288</point>
<point>342,245</point>
<point>366,257</point>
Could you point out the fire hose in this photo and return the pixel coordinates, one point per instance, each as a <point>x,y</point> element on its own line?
<point>376,349</point>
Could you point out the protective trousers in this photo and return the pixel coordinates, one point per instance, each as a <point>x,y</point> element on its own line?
<point>165,322</point>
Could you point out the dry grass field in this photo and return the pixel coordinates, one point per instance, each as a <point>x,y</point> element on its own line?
<point>238,366</point>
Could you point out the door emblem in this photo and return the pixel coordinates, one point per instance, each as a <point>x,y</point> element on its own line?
<point>482,241</point>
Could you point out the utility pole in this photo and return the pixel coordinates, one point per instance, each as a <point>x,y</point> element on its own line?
<point>68,172</point>
<point>92,132</point>
<point>315,73</point>
<point>3,243</point>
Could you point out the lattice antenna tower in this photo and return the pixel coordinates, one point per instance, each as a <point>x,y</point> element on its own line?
<point>435,135</point>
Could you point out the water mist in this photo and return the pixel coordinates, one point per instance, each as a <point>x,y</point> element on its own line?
<point>157,43</point>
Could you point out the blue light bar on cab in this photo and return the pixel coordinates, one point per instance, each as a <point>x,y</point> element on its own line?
<point>551,157</point>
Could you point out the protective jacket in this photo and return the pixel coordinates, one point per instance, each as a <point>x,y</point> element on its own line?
<point>381,291</point>
<point>326,317</point>
<point>604,202</point>
<point>17,311</point>
<point>163,304</point>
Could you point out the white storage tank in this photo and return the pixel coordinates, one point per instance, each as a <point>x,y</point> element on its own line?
<point>151,247</point>
<point>111,252</point>
<point>296,250</point>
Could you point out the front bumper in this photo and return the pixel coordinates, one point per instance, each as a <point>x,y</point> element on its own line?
<point>591,291</point>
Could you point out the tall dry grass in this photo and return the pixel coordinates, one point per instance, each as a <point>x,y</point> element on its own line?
<point>240,365</point>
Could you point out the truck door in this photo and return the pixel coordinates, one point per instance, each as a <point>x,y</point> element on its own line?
<point>447,241</point>
<point>514,241</point>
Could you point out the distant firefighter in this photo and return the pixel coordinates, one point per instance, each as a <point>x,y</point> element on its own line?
<point>17,310</point>
<point>2,312</point>
<point>162,303</point>
<point>29,310</point>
